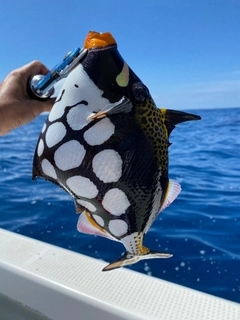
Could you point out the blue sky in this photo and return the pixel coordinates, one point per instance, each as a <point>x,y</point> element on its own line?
<point>186,52</point>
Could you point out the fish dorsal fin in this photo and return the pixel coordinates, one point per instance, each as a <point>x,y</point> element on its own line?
<point>173,191</point>
<point>124,105</point>
<point>173,117</point>
<point>86,224</point>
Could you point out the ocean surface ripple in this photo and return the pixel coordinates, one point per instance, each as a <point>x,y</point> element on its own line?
<point>201,228</point>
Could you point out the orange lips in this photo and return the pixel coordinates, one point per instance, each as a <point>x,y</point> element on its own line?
<point>95,39</point>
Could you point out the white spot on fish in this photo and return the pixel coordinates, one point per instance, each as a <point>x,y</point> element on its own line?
<point>44,127</point>
<point>40,148</point>
<point>48,169</point>
<point>100,132</point>
<point>118,227</point>
<point>56,112</point>
<point>59,106</point>
<point>82,187</point>
<point>115,201</point>
<point>107,165</point>
<point>87,205</point>
<point>77,117</point>
<point>69,155</point>
<point>55,133</point>
<point>99,220</point>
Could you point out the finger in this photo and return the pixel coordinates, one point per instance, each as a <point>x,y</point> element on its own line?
<point>43,106</point>
<point>31,69</point>
<point>49,104</point>
<point>35,67</point>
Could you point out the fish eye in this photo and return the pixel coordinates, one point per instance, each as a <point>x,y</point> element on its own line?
<point>140,92</point>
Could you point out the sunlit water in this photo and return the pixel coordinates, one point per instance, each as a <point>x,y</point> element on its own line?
<point>201,228</point>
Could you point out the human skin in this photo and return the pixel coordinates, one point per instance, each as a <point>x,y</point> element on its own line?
<point>17,108</point>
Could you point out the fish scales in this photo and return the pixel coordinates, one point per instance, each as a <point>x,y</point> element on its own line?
<point>106,143</point>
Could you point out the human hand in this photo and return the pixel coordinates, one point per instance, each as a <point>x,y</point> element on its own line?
<point>16,106</point>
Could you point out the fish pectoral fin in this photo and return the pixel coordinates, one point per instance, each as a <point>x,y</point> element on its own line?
<point>124,105</point>
<point>129,258</point>
<point>173,191</point>
<point>86,224</point>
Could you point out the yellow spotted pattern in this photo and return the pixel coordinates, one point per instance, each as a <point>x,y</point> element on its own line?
<point>137,247</point>
<point>151,120</point>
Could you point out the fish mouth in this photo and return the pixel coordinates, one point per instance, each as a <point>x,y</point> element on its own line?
<point>96,40</point>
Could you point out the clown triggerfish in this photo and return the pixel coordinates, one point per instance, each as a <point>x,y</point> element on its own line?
<point>106,143</point>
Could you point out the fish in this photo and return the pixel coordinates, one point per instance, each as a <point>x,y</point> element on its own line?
<point>105,142</point>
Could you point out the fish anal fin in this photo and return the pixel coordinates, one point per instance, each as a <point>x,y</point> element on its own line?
<point>129,258</point>
<point>86,224</point>
<point>173,117</point>
<point>124,105</point>
<point>173,191</point>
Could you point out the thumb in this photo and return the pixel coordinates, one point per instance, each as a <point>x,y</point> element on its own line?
<point>31,69</point>
<point>49,104</point>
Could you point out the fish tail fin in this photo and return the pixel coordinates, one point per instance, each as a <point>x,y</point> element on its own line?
<point>173,117</point>
<point>129,258</point>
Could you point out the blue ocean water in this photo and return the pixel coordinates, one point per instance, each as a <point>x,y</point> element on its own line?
<point>201,228</point>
